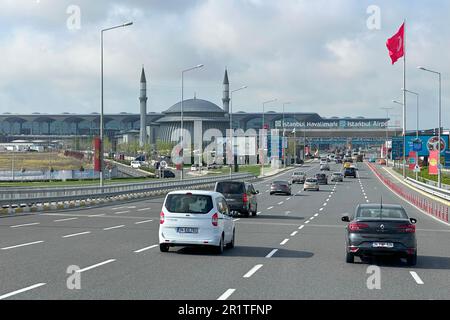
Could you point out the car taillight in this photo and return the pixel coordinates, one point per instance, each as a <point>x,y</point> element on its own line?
<point>161,217</point>
<point>357,226</point>
<point>408,228</point>
<point>245,198</point>
<point>215,219</point>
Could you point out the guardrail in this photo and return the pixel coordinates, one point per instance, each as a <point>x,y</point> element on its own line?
<point>430,207</point>
<point>439,192</point>
<point>31,197</point>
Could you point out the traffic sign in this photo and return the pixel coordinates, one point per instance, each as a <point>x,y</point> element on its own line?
<point>416,168</point>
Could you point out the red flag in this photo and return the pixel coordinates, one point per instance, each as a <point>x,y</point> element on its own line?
<point>433,162</point>
<point>395,44</point>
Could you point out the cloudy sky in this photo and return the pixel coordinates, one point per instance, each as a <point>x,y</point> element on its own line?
<point>318,54</point>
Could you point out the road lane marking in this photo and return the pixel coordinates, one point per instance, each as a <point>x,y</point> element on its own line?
<point>22,245</point>
<point>312,218</point>
<point>117,208</point>
<point>24,225</point>
<point>416,277</point>
<point>97,215</point>
<point>301,227</point>
<point>252,271</point>
<point>269,208</point>
<point>131,207</point>
<point>258,213</point>
<point>226,294</point>
<point>7,295</point>
<point>237,219</point>
<point>143,209</point>
<point>95,265</point>
<point>281,202</point>
<point>307,221</point>
<point>284,241</point>
<point>327,200</point>
<point>288,198</point>
<point>146,248</point>
<point>320,209</point>
<point>267,190</point>
<point>139,222</point>
<point>294,233</point>
<point>67,219</point>
<point>271,253</point>
<point>122,212</point>
<point>316,215</point>
<point>76,234</point>
<point>115,227</point>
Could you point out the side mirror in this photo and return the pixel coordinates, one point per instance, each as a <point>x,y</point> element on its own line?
<point>413,221</point>
<point>345,218</point>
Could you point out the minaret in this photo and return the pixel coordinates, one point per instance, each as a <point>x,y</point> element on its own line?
<point>226,93</point>
<point>143,103</point>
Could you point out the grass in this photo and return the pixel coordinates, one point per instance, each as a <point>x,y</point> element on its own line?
<point>40,161</point>
<point>445,178</point>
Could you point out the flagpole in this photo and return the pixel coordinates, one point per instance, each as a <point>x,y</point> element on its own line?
<point>404,99</point>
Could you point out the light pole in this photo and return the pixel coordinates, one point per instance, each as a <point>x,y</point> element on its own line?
<point>284,154</point>
<point>387,127</point>
<point>182,135</point>
<point>231,126</point>
<point>295,147</point>
<point>404,137</point>
<point>417,124</point>
<point>101,110</point>
<point>263,123</point>
<point>439,121</point>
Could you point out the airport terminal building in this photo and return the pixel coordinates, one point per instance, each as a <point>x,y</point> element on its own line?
<point>199,116</point>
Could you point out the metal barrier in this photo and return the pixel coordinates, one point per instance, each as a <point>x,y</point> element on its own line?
<point>441,193</point>
<point>430,207</point>
<point>14,197</point>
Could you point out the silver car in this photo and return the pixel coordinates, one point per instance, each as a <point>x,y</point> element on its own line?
<point>325,166</point>
<point>311,184</point>
<point>298,177</point>
<point>337,176</point>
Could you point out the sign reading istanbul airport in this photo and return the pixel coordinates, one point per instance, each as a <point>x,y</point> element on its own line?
<point>345,124</point>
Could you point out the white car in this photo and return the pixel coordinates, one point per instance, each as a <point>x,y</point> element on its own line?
<point>196,218</point>
<point>135,164</point>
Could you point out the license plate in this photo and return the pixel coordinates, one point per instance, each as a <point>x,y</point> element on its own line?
<point>187,230</point>
<point>382,245</point>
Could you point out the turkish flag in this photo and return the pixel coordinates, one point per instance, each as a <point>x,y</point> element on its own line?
<point>395,44</point>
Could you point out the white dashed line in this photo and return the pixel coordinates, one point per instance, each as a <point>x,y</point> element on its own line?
<point>301,227</point>
<point>115,227</point>
<point>320,209</point>
<point>237,219</point>
<point>307,221</point>
<point>416,277</point>
<point>316,215</point>
<point>269,208</point>
<point>122,212</point>
<point>294,233</point>
<point>7,295</point>
<point>22,245</point>
<point>76,234</point>
<point>281,202</point>
<point>146,248</point>
<point>97,215</point>
<point>252,271</point>
<point>95,265</point>
<point>284,241</point>
<point>288,198</point>
<point>271,253</point>
<point>258,213</point>
<point>25,225</point>
<point>143,209</point>
<point>132,207</point>
<point>312,218</point>
<point>67,219</point>
<point>139,222</point>
<point>117,208</point>
<point>226,294</point>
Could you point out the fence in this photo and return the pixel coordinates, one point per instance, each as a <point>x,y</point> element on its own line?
<point>430,207</point>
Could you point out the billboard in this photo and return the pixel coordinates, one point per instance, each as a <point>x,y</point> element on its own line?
<point>427,143</point>
<point>433,163</point>
<point>397,148</point>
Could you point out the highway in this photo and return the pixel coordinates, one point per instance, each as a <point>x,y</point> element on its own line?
<point>293,249</point>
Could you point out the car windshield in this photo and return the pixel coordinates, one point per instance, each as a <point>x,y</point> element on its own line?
<point>280,182</point>
<point>311,180</point>
<point>230,187</point>
<point>188,203</point>
<point>337,173</point>
<point>381,213</point>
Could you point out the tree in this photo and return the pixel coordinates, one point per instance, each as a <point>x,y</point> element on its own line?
<point>164,148</point>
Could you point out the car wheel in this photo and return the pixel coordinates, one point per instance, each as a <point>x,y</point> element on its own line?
<point>411,260</point>
<point>271,193</point>
<point>163,247</point>
<point>349,257</point>
<point>219,248</point>
<point>231,244</point>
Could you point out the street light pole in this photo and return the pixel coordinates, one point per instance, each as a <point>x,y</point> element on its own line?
<point>101,109</point>
<point>417,124</point>
<point>262,149</point>
<point>387,127</point>
<point>181,114</point>
<point>231,126</point>
<point>284,153</point>
<point>439,121</point>
<point>404,136</point>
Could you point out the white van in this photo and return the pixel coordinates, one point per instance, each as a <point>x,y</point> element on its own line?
<point>135,164</point>
<point>195,217</point>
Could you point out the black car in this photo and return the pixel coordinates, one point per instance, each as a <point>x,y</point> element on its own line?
<point>283,187</point>
<point>322,178</point>
<point>349,172</point>
<point>380,229</point>
<point>167,174</point>
<point>240,196</point>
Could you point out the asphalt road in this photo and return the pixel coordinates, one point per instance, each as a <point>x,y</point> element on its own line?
<point>293,249</point>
